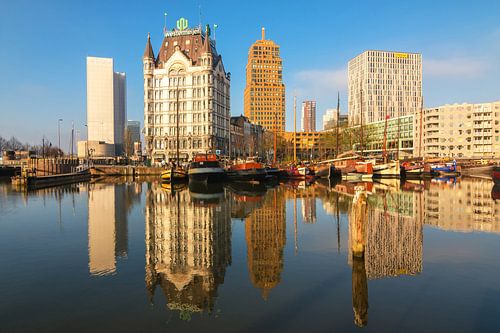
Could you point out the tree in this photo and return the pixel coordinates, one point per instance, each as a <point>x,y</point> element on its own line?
<point>14,144</point>
<point>3,144</point>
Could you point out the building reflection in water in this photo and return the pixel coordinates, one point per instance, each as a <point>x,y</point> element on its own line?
<point>388,243</point>
<point>108,208</point>
<point>465,206</point>
<point>265,233</point>
<point>188,245</point>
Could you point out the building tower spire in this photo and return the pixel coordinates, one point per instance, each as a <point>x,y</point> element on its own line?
<point>263,33</point>
<point>148,51</point>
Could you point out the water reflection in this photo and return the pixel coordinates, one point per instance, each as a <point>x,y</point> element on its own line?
<point>188,245</point>
<point>108,207</point>
<point>265,233</point>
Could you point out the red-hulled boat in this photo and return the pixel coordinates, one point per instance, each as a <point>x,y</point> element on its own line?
<point>249,170</point>
<point>496,175</point>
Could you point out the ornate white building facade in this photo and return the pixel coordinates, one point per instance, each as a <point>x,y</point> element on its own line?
<point>187,82</point>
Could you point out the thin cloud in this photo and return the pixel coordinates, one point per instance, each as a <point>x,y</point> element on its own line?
<point>455,67</point>
<point>320,83</point>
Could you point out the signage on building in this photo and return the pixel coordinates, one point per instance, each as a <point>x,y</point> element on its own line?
<point>182,23</point>
<point>401,55</point>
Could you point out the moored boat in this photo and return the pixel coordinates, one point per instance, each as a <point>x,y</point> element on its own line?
<point>299,173</point>
<point>446,169</point>
<point>387,170</point>
<point>327,170</point>
<point>174,174</point>
<point>206,168</point>
<point>247,171</point>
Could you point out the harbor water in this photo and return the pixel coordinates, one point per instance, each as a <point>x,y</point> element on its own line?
<point>123,255</point>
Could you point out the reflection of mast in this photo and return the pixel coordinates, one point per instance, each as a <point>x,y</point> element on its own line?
<point>295,223</point>
<point>338,224</point>
<point>294,129</point>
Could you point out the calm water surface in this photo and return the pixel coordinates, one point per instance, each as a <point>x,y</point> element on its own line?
<point>123,256</point>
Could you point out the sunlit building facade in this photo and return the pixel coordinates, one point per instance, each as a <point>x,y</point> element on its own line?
<point>186,77</point>
<point>264,96</point>
<point>458,130</point>
<point>308,116</point>
<point>384,84</point>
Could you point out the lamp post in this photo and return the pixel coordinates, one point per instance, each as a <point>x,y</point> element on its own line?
<point>59,135</point>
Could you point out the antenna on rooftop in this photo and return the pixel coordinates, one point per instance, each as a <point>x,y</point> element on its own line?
<point>165,23</point>
<point>199,14</point>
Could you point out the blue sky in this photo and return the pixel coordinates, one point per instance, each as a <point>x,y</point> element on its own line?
<point>44,45</point>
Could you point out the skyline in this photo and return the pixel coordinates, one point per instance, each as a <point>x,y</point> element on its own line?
<point>460,62</point>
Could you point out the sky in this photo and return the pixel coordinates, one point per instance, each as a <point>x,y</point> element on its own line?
<point>44,45</point>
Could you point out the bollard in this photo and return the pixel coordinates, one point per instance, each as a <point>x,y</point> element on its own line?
<point>359,216</point>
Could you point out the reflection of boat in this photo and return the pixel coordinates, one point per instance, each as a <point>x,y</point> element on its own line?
<point>248,192</point>
<point>495,192</point>
<point>247,171</point>
<point>173,174</point>
<point>203,191</point>
<point>173,186</point>
<point>206,168</point>
<point>496,174</point>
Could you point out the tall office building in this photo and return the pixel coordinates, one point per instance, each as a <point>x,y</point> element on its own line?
<point>188,78</point>
<point>134,129</point>
<point>309,116</point>
<point>384,84</point>
<point>264,99</point>
<point>106,104</point>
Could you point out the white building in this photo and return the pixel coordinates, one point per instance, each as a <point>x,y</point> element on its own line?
<point>187,78</point>
<point>458,130</point>
<point>106,104</point>
<point>384,84</point>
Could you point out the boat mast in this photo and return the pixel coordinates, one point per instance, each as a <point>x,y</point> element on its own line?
<point>420,129</point>
<point>384,146</point>
<point>337,127</point>
<point>361,129</point>
<point>399,126</point>
<point>177,116</point>
<point>294,128</point>
<point>275,136</point>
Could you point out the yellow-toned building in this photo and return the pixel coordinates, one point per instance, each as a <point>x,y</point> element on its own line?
<point>264,99</point>
<point>308,144</point>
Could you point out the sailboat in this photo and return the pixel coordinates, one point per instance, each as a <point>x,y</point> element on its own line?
<point>175,172</point>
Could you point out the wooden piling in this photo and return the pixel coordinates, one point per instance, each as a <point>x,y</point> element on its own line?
<point>358,216</point>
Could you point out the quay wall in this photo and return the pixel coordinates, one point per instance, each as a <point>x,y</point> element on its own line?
<point>124,170</point>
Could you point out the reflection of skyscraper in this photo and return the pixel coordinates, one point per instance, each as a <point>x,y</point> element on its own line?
<point>188,247</point>
<point>309,209</point>
<point>266,236</point>
<point>101,231</point>
<point>108,207</point>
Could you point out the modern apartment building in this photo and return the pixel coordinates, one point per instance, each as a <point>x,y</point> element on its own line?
<point>106,104</point>
<point>187,87</point>
<point>309,116</point>
<point>330,119</point>
<point>458,130</point>
<point>264,97</point>
<point>384,84</point>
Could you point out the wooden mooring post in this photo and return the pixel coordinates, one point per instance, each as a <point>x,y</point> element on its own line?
<point>359,216</point>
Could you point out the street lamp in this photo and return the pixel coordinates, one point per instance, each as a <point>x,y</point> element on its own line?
<point>59,135</point>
